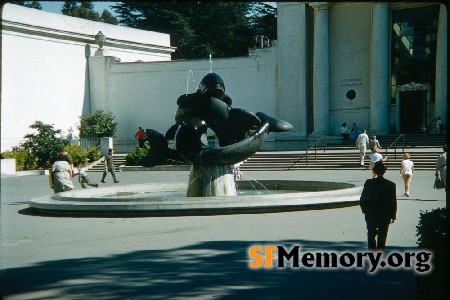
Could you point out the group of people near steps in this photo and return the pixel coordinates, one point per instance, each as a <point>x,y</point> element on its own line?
<point>63,171</point>
<point>363,143</point>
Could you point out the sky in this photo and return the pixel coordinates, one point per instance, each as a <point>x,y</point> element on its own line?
<point>55,6</point>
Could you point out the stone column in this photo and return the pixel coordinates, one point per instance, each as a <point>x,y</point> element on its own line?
<point>99,75</point>
<point>379,69</point>
<point>292,67</point>
<point>321,70</point>
<point>441,67</point>
<point>106,143</point>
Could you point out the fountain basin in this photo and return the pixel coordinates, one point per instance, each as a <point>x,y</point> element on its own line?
<point>156,199</point>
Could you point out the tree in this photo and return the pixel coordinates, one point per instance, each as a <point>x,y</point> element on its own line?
<point>263,19</point>
<point>108,18</point>
<point>43,145</point>
<point>97,125</point>
<point>197,29</point>
<point>85,10</point>
<point>30,4</point>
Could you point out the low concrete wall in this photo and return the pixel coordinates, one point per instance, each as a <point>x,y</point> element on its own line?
<point>8,166</point>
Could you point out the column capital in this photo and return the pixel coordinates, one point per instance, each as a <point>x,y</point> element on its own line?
<point>320,5</point>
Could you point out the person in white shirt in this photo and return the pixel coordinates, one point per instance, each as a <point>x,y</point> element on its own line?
<point>361,143</point>
<point>374,157</point>
<point>344,133</point>
<point>406,172</point>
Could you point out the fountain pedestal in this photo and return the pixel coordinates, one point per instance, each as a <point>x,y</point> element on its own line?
<point>211,181</point>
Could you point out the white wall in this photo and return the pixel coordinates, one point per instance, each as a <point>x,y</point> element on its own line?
<point>144,94</point>
<point>44,66</point>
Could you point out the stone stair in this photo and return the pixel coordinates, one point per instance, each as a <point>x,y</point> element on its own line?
<point>99,165</point>
<point>424,154</point>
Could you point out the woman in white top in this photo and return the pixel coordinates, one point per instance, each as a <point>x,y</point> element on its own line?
<point>406,172</point>
<point>344,133</point>
<point>374,157</point>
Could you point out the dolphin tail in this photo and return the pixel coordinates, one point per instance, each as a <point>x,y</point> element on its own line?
<point>275,125</point>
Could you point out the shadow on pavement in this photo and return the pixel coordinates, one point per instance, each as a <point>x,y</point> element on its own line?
<point>207,270</point>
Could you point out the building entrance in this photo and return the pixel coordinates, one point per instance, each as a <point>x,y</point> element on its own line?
<point>413,109</point>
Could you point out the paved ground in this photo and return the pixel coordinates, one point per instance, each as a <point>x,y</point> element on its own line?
<point>197,257</point>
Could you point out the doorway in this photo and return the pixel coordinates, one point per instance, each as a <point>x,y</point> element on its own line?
<point>413,111</point>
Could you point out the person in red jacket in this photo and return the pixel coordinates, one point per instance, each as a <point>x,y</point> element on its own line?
<point>140,136</point>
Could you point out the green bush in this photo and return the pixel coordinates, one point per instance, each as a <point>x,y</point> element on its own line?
<point>137,156</point>
<point>93,153</point>
<point>78,154</point>
<point>44,144</point>
<point>98,125</point>
<point>432,234</point>
<point>24,160</point>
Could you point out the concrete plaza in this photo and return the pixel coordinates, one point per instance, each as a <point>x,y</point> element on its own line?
<point>199,257</point>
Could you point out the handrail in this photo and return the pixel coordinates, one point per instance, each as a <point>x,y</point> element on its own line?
<point>92,150</point>
<point>427,128</point>
<point>394,143</point>
<point>306,152</point>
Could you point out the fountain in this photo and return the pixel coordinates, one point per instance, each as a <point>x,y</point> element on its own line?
<point>211,185</point>
<point>240,134</point>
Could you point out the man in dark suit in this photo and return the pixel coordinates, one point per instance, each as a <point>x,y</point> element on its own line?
<point>379,204</point>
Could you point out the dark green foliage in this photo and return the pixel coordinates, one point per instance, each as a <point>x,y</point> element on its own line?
<point>78,154</point>
<point>30,4</point>
<point>93,153</point>
<point>44,144</point>
<point>198,29</point>
<point>107,17</point>
<point>432,235</point>
<point>85,10</point>
<point>137,156</point>
<point>98,125</point>
<point>140,157</point>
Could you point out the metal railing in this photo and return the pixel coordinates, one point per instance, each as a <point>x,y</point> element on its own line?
<point>322,139</point>
<point>429,128</point>
<point>86,143</point>
<point>394,144</point>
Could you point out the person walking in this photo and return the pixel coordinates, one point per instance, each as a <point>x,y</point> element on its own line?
<point>61,173</point>
<point>361,143</point>
<point>344,133</point>
<point>406,172</point>
<point>375,156</point>
<point>379,205</point>
<point>441,167</point>
<point>140,137</point>
<point>109,167</point>
<point>374,143</point>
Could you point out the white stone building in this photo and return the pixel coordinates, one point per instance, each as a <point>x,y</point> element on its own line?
<point>380,65</point>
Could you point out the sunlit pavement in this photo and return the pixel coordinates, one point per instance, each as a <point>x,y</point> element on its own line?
<point>199,257</point>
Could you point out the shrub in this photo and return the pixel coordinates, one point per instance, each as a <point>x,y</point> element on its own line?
<point>78,154</point>
<point>137,156</point>
<point>432,234</point>
<point>24,161</point>
<point>98,125</point>
<point>93,153</point>
<point>43,145</point>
